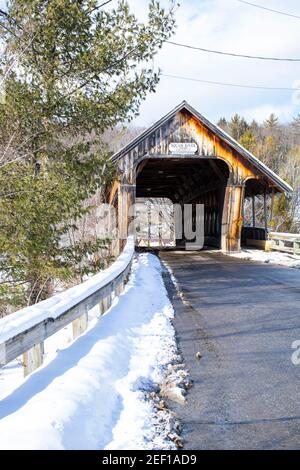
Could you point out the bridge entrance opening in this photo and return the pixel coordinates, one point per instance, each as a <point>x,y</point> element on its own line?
<point>165,182</point>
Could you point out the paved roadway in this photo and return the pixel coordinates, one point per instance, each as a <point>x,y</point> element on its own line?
<point>243,317</point>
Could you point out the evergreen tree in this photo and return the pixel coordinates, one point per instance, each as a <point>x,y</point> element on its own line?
<point>272,121</point>
<point>248,140</point>
<point>70,70</point>
<point>296,122</point>
<point>238,126</point>
<point>222,123</point>
<point>254,126</point>
<point>267,151</point>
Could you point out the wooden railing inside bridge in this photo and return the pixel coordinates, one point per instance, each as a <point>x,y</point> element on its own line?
<point>25,331</point>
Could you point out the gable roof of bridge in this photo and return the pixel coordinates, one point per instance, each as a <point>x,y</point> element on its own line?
<point>264,169</point>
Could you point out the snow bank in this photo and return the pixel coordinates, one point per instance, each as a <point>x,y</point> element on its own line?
<point>92,394</point>
<point>272,257</point>
<point>21,320</point>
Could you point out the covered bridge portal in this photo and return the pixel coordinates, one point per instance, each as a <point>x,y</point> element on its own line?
<point>186,158</point>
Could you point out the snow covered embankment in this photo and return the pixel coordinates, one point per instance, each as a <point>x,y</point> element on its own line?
<point>269,257</point>
<point>92,394</point>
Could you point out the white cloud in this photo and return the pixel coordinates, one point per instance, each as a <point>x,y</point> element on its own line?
<point>260,113</point>
<point>229,26</point>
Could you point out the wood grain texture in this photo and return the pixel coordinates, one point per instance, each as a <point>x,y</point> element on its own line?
<point>25,341</point>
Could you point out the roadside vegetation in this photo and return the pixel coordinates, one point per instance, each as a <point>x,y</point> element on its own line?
<point>70,71</point>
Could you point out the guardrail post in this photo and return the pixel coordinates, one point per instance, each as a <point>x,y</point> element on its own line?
<point>104,304</point>
<point>120,288</point>
<point>80,325</point>
<point>33,358</point>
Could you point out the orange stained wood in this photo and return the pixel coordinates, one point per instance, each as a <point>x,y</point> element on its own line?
<point>214,146</point>
<point>113,190</point>
<point>237,220</point>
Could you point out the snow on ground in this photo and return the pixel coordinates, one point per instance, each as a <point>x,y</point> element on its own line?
<point>272,257</point>
<point>93,393</point>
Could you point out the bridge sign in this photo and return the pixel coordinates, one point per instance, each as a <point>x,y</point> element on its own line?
<point>182,148</point>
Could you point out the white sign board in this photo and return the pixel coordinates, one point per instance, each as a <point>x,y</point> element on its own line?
<point>182,148</point>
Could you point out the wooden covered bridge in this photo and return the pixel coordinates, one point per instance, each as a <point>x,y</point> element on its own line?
<point>189,160</point>
<point>182,157</point>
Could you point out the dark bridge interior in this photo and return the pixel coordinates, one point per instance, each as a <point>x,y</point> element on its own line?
<point>187,181</point>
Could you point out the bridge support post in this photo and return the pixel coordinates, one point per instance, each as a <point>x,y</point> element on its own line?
<point>179,224</point>
<point>33,358</point>
<point>126,199</point>
<point>265,211</point>
<point>253,212</point>
<point>232,219</point>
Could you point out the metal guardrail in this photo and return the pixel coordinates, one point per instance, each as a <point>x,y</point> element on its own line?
<point>24,331</point>
<point>286,242</point>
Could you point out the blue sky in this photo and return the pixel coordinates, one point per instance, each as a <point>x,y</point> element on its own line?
<point>235,27</point>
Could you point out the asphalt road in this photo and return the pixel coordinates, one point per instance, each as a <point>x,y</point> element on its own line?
<point>243,317</point>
